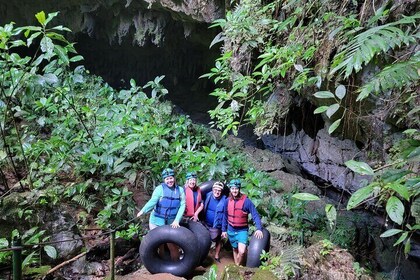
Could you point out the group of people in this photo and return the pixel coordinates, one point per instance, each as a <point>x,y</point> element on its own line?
<point>224,217</point>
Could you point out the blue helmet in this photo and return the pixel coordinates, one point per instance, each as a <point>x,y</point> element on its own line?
<point>168,172</point>
<point>234,183</point>
<point>191,175</point>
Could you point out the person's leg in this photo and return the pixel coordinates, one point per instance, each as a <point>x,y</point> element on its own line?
<point>240,254</point>
<point>242,239</point>
<point>232,235</point>
<point>217,249</point>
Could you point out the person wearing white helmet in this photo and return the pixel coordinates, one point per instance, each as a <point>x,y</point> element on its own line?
<point>214,208</point>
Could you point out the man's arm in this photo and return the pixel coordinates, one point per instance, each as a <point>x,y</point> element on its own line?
<point>250,208</point>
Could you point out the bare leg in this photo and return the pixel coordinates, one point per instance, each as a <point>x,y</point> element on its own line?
<point>217,249</point>
<point>240,253</point>
<point>173,248</point>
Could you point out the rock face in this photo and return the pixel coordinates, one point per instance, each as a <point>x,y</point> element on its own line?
<point>322,157</point>
<point>114,19</point>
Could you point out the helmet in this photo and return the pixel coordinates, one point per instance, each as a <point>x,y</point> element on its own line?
<point>190,175</point>
<point>218,186</point>
<point>168,172</point>
<point>235,183</point>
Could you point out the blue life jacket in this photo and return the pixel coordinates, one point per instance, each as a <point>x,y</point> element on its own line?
<point>220,210</point>
<point>168,205</point>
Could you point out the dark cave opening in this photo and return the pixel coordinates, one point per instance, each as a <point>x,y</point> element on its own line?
<point>181,60</point>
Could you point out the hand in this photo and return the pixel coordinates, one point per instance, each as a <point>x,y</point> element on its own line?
<point>258,234</point>
<point>224,235</point>
<point>175,224</point>
<point>194,218</point>
<point>139,214</point>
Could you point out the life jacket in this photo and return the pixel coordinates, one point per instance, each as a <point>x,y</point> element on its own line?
<point>168,205</point>
<point>218,212</point>
<point>236,216</point>
<point>190,208</point>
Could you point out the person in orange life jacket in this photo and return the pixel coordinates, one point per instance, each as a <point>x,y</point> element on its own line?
<point>214,206</point>
<point>235,223</point>
<point>193,200</point>
<point>168,204</point>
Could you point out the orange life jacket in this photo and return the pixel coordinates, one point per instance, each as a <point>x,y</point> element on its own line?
<point>190,208</point>
<point>236,216</point>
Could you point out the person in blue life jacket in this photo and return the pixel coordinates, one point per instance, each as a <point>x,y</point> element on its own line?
<point>193,200</point>
<point>214,209</point>
<point>235,223</point>
<point>168,204</point>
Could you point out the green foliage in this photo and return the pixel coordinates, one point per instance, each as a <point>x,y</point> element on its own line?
<point>211,274</point>
<point>243,90</point>
<point>284,265</point>
<point>77,139</point>
<point>365,45</point>
<point>327,247</point>
<point>395,187</point>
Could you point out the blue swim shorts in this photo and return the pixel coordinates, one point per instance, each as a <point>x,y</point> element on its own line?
<point>238,236</point>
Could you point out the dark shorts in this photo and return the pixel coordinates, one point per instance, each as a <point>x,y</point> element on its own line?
<point>215,233</point>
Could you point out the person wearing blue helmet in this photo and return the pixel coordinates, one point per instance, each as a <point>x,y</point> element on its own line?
<point>193,199</point>
<point>235,223</point>
<point>168,204</point>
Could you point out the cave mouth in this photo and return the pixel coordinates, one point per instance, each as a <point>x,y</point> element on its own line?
<point>182,60</point>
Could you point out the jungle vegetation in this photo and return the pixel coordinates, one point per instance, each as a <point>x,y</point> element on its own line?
<point>68,137</point>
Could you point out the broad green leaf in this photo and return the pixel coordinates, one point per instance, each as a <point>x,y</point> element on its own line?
<point>395,209</point>
<point>50,17</point>
<point>332,109</point>
<point>402,238</point>
<point>340,91</point>
<point>392,175</point>
<point>62,54</point>
<point>120,167</point>
<point>76,58</point>
<point>51,251</point>
<point>29,259</point>
<point>407,246</point>
<point>321,109</point>
<point>400,189</point>
<point>391,232</point>
<point>41,17</point>
<point>359,196</point>
<point>334,126</point>
<point>359,167</point>
<point>305,196</point>
<point>3,155</point>
<point>324,94</point>
<point>47,45</point>
<point>414,155</point>
<point>331,213</point>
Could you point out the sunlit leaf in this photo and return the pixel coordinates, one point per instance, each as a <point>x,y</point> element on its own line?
<point>359,196</point>
<point>395,209</point>
<point>359,167</point>
<point>305,196</point>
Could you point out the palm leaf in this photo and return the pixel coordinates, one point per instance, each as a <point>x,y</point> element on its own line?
<point>371,42</point>
<point>393,76</point>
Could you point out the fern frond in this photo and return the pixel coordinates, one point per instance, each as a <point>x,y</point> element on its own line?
<point>85,202</point>
<point>371,42</point>
<point>393,76</point>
